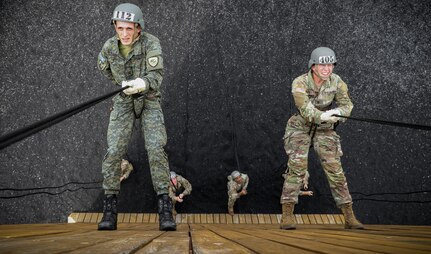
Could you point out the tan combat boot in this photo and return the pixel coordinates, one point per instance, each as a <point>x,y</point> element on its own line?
<point>349,217</point>
<point>287,217</point>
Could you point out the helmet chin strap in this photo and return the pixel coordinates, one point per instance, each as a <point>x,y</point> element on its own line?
<point>136,39</point>
<point>318,75</point>
<point>322,78</point>
<point>136,34</point>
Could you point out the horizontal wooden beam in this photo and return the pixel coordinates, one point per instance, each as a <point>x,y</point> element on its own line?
<point>208,218</point>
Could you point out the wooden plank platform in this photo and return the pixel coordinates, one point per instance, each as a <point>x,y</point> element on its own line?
<point>139,237</point>
<point>221,218</point>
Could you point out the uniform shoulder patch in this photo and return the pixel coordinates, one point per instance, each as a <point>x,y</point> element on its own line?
<point>153,61</point>
<point>102,62</point>
<point>299,90</point>
<point>102,59</point>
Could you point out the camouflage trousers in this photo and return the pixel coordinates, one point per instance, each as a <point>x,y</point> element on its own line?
<point>232,191</point>
<point>119,134</point>
<point>328,148</point>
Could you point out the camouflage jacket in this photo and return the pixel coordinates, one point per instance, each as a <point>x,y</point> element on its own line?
<point>182,183</point>
<point>234,186</point>
<point>311,102</point>
<point>144,61</point>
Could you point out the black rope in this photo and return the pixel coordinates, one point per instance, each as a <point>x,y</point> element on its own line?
<point>234,139</point>
<point>170,180</point>
<point>50,193</point>
<point>329,196</point>
<point>393,201</point>
<point>398,124</point>
<point>15,136</point>
<point>391,193</point>
<point>44,190</point>
<point>49,187</point>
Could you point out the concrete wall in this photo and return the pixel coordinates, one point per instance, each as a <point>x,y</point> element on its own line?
<point>229,68</point>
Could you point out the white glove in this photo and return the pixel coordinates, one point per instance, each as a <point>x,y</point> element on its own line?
<point>327,116</point>
<point>135,86</point>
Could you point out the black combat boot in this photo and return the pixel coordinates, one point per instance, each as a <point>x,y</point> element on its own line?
<point>166,221</point>
<point>109,220</point>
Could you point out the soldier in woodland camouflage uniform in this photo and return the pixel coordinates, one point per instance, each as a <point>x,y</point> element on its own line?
<point>133,59</point>
<point>179,187</point>
<point>314,94</point>
<point>236,187</point>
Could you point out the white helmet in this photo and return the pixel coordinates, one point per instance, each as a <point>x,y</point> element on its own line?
<point>235,174</point>
<point>173,174</point>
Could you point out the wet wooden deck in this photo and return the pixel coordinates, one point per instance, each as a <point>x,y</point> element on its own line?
<point>212,237</point>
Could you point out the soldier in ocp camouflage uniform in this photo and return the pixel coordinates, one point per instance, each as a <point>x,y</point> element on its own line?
<point>179,187</point>
<point>304,185</point>
<point>314,94</point>
<point>126,169</point>
<point>236,187</point>
<point>133,59</point>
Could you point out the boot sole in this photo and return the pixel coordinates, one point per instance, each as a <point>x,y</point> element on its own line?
<point>353,227</point>
<point>106,229</point>
<point>288,227</point>
<point>168,229</point>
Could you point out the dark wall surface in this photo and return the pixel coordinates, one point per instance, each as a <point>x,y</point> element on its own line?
<point>228,72</point>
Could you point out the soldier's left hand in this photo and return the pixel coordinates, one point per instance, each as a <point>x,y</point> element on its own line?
<point>327,116</point>
<point>135,86</point>
<point>309,193</point>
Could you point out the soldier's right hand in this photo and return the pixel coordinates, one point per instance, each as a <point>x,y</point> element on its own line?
<point>127,84</point>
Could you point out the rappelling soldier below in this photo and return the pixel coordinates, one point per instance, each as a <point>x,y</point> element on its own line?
<point>126,169</point>
<point>237,184</point>
<point>133,58</point>
<point>314,94</point>
<point>179,188</point>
